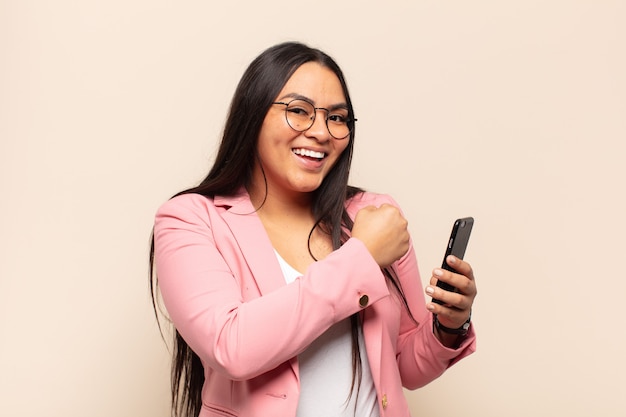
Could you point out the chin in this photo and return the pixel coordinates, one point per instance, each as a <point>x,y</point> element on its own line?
<point>307,188</point>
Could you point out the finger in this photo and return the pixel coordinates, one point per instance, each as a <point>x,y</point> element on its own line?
<point>450,299</point>
<point>458,281</point>
<point>460,266</point>
<point>451,317</point>
<point>465,285</point>
<point>462,285</point>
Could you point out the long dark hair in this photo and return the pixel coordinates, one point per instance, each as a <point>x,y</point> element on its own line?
<point>260,84</point>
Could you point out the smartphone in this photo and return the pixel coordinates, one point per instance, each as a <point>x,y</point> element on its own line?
<point>457,244</point>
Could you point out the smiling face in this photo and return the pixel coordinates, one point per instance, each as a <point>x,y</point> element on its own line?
<point>296,163</point>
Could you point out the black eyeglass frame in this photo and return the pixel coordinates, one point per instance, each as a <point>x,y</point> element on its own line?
<point>349,122</point>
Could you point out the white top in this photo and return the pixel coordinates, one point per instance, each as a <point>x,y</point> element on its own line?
<point>326,371</point>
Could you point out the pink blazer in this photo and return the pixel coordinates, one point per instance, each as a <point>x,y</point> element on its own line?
<point>225,293</point>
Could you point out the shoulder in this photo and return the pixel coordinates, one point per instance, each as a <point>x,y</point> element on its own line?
<point>186,203</point>
<point>198,208</point>
<point>186,208</point>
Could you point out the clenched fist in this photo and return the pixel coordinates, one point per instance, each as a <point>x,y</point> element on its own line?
<point>384,232</point>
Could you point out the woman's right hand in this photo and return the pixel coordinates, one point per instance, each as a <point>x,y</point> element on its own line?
<point>384,232</point>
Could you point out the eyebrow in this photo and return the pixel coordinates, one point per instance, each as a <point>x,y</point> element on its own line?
<point>297,96</point>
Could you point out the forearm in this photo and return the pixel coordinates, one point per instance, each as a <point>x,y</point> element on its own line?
<point>446,339</point>
<point>245,338</point>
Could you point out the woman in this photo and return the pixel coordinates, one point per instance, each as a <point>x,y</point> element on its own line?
<point>292,293</point>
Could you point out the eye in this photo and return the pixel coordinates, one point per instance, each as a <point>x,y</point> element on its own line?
<point>300,109</point>
<point>338,118</point>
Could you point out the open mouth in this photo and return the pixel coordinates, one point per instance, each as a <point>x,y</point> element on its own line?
<point>309,154</point>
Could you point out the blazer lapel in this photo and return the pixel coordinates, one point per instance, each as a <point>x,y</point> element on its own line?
<point>253,241</point>
<point>372,333</point>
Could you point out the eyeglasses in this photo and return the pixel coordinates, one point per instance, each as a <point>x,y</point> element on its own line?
<point>300,115</point>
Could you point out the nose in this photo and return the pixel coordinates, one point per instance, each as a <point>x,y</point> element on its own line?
<point>319,129</point>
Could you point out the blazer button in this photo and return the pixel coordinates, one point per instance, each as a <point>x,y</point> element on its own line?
<point>364,300</point>
<point>385,402</point>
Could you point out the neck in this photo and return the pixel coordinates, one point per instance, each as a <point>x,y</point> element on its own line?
<point>273,204</point>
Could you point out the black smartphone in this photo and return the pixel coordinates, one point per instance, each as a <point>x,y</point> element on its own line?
<point>457,244</point>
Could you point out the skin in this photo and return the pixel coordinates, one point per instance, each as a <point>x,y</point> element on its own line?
<point>289,176</point>
<point>285,207</point>
<point>286,211</point>
<point>457,305</point>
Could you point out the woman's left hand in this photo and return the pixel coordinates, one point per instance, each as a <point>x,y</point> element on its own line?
<point>456,306</point>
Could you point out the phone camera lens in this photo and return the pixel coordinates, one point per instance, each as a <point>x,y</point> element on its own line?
<point>463,223</point>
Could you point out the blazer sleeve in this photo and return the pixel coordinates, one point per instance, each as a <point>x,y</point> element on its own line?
<point>241,339</point>
<point>421,357</point>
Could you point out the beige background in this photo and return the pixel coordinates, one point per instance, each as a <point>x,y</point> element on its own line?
<point>510,111</point>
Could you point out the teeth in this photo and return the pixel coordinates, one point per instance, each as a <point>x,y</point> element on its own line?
<point>309,153</point>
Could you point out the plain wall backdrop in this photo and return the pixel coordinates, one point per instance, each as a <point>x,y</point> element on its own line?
<point>513,112</point>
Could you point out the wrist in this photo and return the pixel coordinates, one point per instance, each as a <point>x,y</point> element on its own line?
<point>460,331</point>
